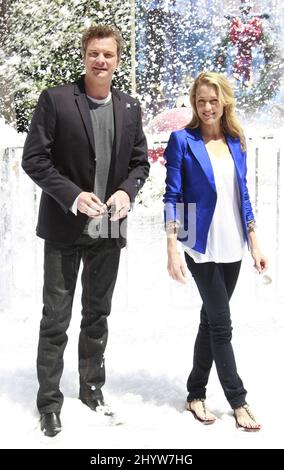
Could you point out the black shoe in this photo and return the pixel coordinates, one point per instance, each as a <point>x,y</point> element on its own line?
<point>97,404</point>
<point>50,424</point>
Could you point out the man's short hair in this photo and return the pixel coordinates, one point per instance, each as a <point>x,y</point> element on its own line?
<point>100,32</point>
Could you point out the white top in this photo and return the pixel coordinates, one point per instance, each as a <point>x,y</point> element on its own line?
<point>225,243</point>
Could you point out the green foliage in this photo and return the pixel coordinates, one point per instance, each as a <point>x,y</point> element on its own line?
<point>44,49</point>
<point>253,97</point>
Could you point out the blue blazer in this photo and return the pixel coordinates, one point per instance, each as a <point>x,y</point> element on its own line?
<point>190,179</point>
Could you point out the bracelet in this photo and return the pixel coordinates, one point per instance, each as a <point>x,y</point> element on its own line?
<point>251,226</point>
<point>172,226</point>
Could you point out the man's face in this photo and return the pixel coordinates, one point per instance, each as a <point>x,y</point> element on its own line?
<point>101,59</point>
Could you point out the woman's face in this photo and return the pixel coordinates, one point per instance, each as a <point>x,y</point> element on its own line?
<point>209,108</point>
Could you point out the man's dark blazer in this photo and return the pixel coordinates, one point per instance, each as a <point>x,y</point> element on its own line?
<point>59,156</point>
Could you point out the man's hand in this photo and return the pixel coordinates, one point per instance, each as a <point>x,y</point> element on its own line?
<point>119,204</point>
<point>90,204</point>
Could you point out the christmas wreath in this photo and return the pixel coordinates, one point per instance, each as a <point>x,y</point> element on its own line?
<point>244,34</point>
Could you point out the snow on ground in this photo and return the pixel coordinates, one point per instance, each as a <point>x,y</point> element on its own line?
<point>152,329</point>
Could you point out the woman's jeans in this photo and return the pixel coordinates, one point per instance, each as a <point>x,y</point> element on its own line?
<point>216,283</point>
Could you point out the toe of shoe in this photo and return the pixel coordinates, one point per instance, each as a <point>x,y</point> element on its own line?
<point>50,424</point>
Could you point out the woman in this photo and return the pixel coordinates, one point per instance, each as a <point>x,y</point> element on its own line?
<point>206,168</point>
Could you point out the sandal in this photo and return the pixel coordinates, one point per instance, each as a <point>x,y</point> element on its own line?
<point>199,418</point>
<point>248,428</point>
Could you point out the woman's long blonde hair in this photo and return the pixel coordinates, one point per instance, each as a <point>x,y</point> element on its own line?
<point>229,122</point>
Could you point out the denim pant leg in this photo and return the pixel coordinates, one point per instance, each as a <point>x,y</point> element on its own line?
<point>101,261</point>
<point>61,265</point>
<point>216,284</point>
<point>202,360</point>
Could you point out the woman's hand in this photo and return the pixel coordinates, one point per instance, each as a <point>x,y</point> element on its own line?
<point>260,261</point>
<point>176,267</point>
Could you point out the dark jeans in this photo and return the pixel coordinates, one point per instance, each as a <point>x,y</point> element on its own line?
<point>216,283</point>
<point>61,265</point>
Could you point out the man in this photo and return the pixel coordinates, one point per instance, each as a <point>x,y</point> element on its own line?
<point>88,153</point>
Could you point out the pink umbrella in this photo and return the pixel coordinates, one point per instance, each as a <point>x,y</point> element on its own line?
<point>169,120</point>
